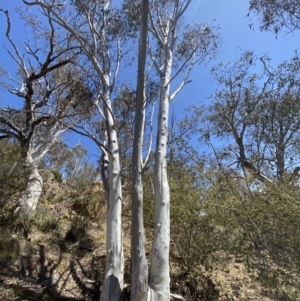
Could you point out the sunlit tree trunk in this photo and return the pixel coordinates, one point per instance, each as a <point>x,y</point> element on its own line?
<point>113,280</point>
<point>34,188</point>
<point>32,157</point>
<point>159,283</point>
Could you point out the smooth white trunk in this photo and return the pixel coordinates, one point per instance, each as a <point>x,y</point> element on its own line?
<point>113,281</point>
<point>159,283</point>
<point>34,189</point>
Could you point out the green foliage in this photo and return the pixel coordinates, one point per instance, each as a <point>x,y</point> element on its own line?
<point>46,221</point>
<point>257,113</point>
<point>217,213</point>
<point>9,249</point>
<point>148,182</point>
<point>195,234</point>
<point>12,173</point>
<point>57,176</point>
<point>276,15</point>
<point>261,226</point>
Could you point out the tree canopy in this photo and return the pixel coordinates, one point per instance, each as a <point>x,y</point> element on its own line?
<point>277,15</point>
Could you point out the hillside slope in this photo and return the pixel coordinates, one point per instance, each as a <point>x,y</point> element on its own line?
<point>60,255</point>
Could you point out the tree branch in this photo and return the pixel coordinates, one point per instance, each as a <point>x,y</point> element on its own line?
<point>22,64</point>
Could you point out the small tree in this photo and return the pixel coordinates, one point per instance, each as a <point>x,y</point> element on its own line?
<point>257,114</point>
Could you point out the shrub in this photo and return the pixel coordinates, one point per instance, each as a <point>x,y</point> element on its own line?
<point>57,176</point>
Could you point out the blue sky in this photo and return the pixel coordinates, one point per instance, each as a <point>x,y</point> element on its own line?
<point>235,34</point>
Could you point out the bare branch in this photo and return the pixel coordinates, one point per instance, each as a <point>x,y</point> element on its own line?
<point>181,11</point>
<point>88,135</point>
<point>155,32</point>
<point>59,20</point>
<point>32,53</point>
<point>20,60</point>
<point>157,68</point>
<point>46,70</point>
<point>11,126</point>
<point>184,82</point>
<point>9,134</point>
<point>119,51</point>
<point>17,93</point>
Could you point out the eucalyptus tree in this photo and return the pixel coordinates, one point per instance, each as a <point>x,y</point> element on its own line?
<point>174,48</point>
<point>277,15</point>
<point>42,83</point>
<point>98,29</point>
<point>257,114</point>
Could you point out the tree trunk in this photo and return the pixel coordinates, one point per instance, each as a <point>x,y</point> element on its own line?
<point>33,192</point>
<point>139,264</point>
<point>159,284</point>
<point>113,281</point>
